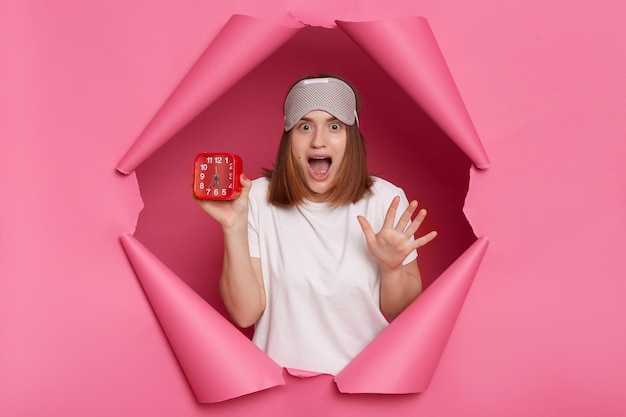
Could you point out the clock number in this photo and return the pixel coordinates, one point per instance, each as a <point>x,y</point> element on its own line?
<point>215,191</point>
<point>209,159</point>
<point>218,159</point>
<point>202,176</point>
<point>204,167</point>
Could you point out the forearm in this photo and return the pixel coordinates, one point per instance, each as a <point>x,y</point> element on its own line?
<point>399,287</point>
<point>241,282</point>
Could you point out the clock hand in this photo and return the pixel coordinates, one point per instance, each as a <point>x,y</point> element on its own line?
<point>216,179</point>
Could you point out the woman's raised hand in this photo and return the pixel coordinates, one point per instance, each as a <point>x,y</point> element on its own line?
<point>391,245</point>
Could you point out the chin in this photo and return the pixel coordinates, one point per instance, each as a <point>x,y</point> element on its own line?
<point>317,193</point>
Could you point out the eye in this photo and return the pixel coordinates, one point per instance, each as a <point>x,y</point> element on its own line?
<point>304,126</point>
<point>335,126</point>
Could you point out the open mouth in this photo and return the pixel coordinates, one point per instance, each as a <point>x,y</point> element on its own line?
<point>319,167</point>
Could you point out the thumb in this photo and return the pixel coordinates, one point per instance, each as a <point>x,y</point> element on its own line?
<point>246,185</point>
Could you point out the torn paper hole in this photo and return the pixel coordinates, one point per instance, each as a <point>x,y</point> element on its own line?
<point>405,146</point>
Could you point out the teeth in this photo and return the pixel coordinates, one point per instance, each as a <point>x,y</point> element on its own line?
<point>320,165</point>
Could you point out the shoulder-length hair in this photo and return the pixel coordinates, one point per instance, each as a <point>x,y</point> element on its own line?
<point>287,186</point>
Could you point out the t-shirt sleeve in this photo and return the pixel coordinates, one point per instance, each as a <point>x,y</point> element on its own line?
<point>404,203</point>
<point>253,221</point>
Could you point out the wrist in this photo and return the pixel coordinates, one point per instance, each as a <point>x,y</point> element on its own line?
<point>390,269</point>
<point>236,228</point>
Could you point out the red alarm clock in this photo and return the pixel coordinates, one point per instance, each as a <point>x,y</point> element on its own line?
<point>216,176</point>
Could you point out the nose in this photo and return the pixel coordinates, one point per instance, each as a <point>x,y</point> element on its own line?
<point>319,139</point>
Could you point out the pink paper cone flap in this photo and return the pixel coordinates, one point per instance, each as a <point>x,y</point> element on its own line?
<point>408,51</point>
<point>219,362</point>
<point>239,47</point>
<point>403,358</point>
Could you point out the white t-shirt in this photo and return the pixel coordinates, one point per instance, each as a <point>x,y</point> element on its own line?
<point>322,285</point>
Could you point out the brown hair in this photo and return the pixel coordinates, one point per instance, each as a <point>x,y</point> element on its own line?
<point>287,184</point>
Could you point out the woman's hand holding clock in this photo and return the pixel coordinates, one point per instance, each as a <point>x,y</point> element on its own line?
<point>230,213</point>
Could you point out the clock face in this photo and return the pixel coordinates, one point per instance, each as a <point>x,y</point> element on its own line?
<point>216,176</point>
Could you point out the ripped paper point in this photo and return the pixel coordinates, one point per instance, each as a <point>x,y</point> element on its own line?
<point>404,356</point>
<point>242,44</point>
<point>219,362</point>
<point>407,50</point>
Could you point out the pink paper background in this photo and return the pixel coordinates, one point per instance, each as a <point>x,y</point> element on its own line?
<point>542,329</point>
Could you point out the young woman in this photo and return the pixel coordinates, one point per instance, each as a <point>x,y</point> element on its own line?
<point>318,254</point>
